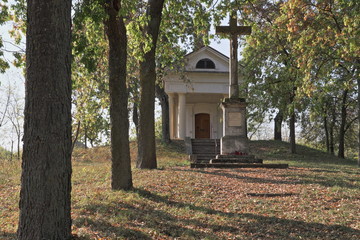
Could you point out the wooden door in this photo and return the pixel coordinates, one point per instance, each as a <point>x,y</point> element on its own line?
<point>202,125</point>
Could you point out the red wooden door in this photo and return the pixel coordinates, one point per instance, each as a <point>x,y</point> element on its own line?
<point>202,125</point>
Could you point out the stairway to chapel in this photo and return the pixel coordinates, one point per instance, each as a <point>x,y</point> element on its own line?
<point>205,153</point>
<point>205,149</point>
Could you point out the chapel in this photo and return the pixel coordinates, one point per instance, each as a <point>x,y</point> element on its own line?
<point>195,97</point>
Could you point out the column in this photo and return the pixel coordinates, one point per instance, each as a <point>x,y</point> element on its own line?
<point>171,115</point>
<point>182,116</point>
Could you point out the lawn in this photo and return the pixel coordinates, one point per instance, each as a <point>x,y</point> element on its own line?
<point>318,197</point>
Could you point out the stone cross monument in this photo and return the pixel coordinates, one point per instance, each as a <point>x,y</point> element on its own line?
<point>234,108</point>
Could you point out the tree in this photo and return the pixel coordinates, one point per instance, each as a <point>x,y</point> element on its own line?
<point>15,117</point>
<point>92,19</point>
<point>90,81</point>
<point>121,177</point>
<point>4,16</point>
<point>273,79</point>
<point>46,170</point>
<point>324,35</point>
<point>146,141</point>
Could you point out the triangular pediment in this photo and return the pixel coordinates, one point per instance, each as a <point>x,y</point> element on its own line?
<point>220,61</point>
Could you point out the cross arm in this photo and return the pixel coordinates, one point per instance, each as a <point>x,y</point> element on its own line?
<point>238,30</point>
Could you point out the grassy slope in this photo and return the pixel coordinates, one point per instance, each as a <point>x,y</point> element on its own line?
<point>318,197</point>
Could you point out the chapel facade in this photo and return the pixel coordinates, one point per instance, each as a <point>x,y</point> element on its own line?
<point>194,100</point>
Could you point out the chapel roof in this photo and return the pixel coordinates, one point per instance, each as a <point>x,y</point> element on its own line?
<point>203,48</point>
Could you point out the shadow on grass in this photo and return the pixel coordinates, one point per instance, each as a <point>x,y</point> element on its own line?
<point>144,217</point>
<point>326,181</point>
<point>234,176</point>
<point>172,219</point>
<point>275,227</point>
<point>108,229</point>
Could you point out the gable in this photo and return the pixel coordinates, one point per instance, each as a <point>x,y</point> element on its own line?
<point>206,55</point>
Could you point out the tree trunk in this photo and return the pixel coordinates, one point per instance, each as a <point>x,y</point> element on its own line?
<point>326,129</point>
<point>164,102</point>
<point>121,177</point>
<point>18,147</point>
<point>135,118</point>
<point>341,152</point>
<point>331,130</point>
<point>46,166</point>
<point>146,140</point>
<point>277,125</point>
<point>12,150</point>
<point>292,133</point>
<point>358,98</point>
<point>85,136</point>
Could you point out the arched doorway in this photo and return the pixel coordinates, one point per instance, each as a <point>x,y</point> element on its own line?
<point>202,125</point>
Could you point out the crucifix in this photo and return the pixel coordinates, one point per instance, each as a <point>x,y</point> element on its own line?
<point>234,31</point>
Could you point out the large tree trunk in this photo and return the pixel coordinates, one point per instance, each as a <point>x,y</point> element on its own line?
<point>358,98</point>
<point>121,177</point>
<point>341,152</point>
<point>277,125</point>
<point>165,122</point>
<point>292,133</point>
<point>146,141</point>
<point>46,167</point>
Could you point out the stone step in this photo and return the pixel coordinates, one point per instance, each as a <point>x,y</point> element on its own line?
<point>204,144</point>
<point>204,140</point>
<point>235,156</point>
<point>209,155</point>
<point>204,157</point>
<point>238,165</point>
<point>205,151</point>
<point>236,160</point>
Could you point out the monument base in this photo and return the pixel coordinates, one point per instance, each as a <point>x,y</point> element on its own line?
<point>231,145</point>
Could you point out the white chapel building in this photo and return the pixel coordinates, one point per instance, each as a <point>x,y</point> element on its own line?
<point>194,102</point>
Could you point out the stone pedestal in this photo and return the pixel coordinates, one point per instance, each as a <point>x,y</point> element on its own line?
<point>235,139</point>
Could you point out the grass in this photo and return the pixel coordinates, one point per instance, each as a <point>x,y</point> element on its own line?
<point>318,197</point>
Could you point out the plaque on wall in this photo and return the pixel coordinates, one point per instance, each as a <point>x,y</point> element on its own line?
<point>234,119</point>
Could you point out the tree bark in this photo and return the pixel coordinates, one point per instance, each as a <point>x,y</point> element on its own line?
<point>326,129</point>
<point>358,98</point>
<point>146,140</point>
<point>277,125</point>
<point>292,134</point>
<point>46,167</point>
<point>341,150</point>
<point>331,130</point>
<point>121,177</point>
<point>164,102</point>
<point>135,118</point>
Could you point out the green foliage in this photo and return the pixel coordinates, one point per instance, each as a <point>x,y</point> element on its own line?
<point>90,79</point>
<point>4,16</point>
<point>325,39</point>
<point>271,78</point>
<point>303,56</point>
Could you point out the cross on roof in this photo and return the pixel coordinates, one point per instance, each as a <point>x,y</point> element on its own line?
<point>234,31</point>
